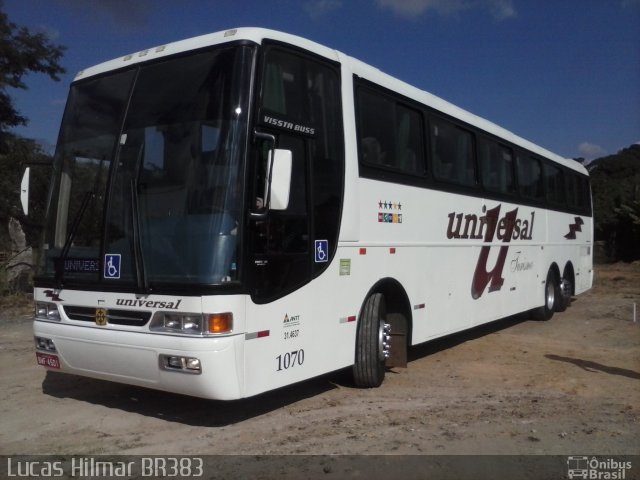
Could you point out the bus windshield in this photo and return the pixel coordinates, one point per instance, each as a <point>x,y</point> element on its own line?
<point>147,186</point>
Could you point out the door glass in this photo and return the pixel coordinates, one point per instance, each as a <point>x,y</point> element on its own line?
<point>299,104</point>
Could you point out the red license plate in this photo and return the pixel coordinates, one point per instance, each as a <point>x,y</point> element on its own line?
<point>47,360</point>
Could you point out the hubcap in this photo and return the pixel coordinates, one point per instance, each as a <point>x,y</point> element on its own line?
<point>551,296</point>
<point>384,341</point>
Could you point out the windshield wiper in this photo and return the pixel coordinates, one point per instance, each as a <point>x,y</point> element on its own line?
<point>59,263</point>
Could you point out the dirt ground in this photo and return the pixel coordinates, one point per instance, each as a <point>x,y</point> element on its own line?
<point>565,387</point>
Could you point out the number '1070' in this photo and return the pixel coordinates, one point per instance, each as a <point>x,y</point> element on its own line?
<point>290,359</point>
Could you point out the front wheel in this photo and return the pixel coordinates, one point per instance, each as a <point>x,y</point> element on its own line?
<point>372,343</point>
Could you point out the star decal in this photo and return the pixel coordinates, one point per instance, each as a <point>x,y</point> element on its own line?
<point>389,205</point>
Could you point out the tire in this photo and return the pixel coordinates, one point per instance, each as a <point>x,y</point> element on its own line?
<point>372,343</point>
<point>565,289</point>
<point>551,298</point>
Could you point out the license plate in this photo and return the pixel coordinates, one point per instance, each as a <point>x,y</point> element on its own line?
<point>47,360</point>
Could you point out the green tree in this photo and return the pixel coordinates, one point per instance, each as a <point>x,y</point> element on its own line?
<point>22,52</point>
<point>628,231</point>
<point>615,182</point>
<point>21,153</point>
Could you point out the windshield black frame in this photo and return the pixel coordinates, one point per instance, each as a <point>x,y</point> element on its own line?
<point>148,155</point>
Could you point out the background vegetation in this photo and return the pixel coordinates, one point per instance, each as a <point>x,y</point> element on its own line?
<point>615,183</point>
<point>21,52</point>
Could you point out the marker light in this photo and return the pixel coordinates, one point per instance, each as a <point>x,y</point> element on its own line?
<point>220,322</point>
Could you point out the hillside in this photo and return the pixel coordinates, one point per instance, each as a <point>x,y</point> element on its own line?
<point>615,181</point>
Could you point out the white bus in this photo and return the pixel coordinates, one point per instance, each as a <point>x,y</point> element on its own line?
<point>243,210</point>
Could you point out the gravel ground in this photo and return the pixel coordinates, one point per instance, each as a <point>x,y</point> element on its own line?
<point>569,386</point>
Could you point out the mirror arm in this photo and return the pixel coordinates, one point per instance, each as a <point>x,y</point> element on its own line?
<point>264,136</point>
<point>272,140</point>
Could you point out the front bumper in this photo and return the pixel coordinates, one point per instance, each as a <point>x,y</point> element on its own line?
<point>134,358</point>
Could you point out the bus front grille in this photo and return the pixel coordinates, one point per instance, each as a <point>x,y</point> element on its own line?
<point>133,318</point>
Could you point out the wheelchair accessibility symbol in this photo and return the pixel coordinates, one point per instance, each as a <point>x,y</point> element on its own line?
<point>112,265</point>
<point>322,251</point>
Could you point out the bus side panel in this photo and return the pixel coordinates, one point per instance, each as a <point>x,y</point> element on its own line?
<point>302,335</point>
<point>463,261</point>
<point>570,241</point>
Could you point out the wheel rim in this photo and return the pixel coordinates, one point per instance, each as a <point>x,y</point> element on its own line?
<point>384,341</point>
<point>551,295</point>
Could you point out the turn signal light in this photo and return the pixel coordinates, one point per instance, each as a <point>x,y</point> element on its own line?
<point>220,322</point>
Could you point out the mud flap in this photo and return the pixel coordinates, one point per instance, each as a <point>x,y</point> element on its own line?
<point>398,357</point>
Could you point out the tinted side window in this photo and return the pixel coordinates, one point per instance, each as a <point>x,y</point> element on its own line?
<point>452,153</point>
<point>529,177</point>
<point>555,185</point>
<point>283,89</point>
<point>577,192</point>
<point>573,190</point>
<point>408,155</point>
<point>390,133</point>
<point>496,166</point>
<point>586,194</point>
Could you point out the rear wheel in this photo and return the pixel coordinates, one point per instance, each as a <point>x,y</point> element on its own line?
<point>372,343</point>
<point>551,297</point>
<point>564,300</point>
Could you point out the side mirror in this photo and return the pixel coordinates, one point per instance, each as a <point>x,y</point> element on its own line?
<point>280,178</point>
<point>24,191</point>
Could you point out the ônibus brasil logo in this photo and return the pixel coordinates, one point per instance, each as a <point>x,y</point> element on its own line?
<point>487,227</point>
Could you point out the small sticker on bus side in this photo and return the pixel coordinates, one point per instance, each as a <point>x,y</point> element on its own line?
<point>112,265</point>
<point>322,251</point>
<point>345,266</point>
<point>389,211</point>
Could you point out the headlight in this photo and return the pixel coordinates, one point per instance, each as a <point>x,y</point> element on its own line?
<point>192,323</point>
<point>180,364</point>
<point>47,311</point>
<point>186,323</point>
<point>46,344</point>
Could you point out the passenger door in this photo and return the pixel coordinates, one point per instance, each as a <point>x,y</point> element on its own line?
<point>299,105</point>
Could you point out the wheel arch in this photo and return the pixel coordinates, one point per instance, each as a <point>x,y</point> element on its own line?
<point>569,274</point>
<point>556,271</point>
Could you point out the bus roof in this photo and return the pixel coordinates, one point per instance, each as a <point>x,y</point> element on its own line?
<point>376,76</point>
<point>256,35</point>
<point>357,67</point>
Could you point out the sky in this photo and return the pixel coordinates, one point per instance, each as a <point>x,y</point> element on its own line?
<point>564,74</point>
